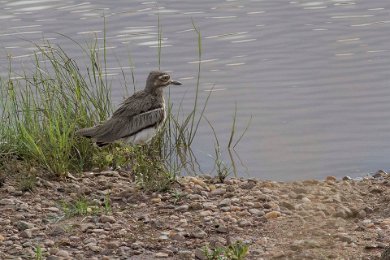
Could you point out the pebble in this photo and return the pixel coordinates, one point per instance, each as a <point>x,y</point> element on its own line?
<point>205,213</point>
<point>273,214</point>
<point>182,208</point>
<point>218,192</point>
<point>22,225</point>
<point>161,255</point>
<point>224,203</point>
<point>257,212</point>
<point>27,233</point>
<point>155,200</point>
<point>63,253</point>
<point>107,219</point>
<point>7,202</point>
<point>57,230</point>
<point>2,238</point>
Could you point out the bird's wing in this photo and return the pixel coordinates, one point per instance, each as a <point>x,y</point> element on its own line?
<point>121,127</point>
<point>134,105</point>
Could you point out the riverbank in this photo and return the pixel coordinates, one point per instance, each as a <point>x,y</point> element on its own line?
<point>105,216</point>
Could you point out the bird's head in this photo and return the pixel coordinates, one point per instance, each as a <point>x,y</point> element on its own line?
<point>159,79</point>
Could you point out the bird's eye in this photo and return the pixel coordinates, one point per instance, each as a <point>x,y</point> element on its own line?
<point>165,77</point>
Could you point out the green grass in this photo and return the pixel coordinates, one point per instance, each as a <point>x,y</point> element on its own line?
<point>235,251</point>
<point>79,207</point>
<point>38,253</point>
<point>42,108</point>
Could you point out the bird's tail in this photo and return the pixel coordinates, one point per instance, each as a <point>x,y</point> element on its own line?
<point>88,132</point>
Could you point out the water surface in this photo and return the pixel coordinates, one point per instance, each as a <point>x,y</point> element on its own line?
<point>314,75</point>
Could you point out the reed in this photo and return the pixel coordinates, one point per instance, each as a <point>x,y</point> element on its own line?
<point>42,108</point>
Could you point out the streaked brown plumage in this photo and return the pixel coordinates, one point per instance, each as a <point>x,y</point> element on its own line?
<point>138,118</point>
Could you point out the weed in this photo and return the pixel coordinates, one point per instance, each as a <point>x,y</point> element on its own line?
<point>107,204</point>
<point>79,207</point>
<point>236,251</point>
<point>27,182</point>
<point>38,253</point>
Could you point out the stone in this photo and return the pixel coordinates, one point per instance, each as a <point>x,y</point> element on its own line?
<point>107,219</point>
<point>182,208</point>
<point>2,238</point>
<point>27,233</point>
<point>244,223</point>
<point>22,225</point>
<point>63,253</point>
<point>205,213</point>
<point>273,215</point>
<point>155,200</point>
<point>199,254</point>
<point>257,212</point>
<point>57,230</point>
<point>196,206</point>
<point>224,203</point>
<point>53,209</point>
<point>218,192</point>
<point>7,202</point>
<point>199,233</point>
<point>184,255</point>
<point>161,255</point>
<point>330,179</point>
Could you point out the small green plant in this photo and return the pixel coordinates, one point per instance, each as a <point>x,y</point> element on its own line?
<point>236,251</point>
<point>177,196</point>
<point>107,204</point>
<point>38,253</point>
<point>27,182</point>
<point>150,171</point>
<point>79,207</point>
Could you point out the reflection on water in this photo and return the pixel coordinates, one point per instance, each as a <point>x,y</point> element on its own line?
<point>313,74</point>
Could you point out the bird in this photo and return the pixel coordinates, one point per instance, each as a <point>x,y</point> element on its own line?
<point>138,118</point>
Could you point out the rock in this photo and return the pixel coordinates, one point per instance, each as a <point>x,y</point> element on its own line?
<point>345,238</point>
<point>184,255</point>
<point>199,233</point>
<point>161,255</point>
<point>53,209</point>
<point>63,253</point>
<point>155,200</point>
<point>196,206</point>
<point>2,238</point>
<point>224,203</point>
<point>199,254</point>
<point>182,208</point>
<point>244,223</point>
<point>57,230</point>
<point>22,225</point>
<point>218,192</point>
<point>205,213</point>
<point>257,212</point>
<point>113,244</point>
<point>273,215</point>
<point>178,237</point>
<point>107,219</point>
<point>247,185</point>
<point>330,179</point>
<point>27,233</point>
<point>287,205</point>
<point>222,229</point>
<point>7,202</point>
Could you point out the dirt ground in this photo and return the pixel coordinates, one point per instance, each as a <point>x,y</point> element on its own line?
<point>104,215</point>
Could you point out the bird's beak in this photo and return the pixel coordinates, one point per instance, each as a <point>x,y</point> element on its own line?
<point>174,82</point>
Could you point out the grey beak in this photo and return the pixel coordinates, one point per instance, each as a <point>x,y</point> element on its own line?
<point>174,82</point>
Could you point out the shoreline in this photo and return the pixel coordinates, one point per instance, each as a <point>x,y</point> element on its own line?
<point>310,219</point>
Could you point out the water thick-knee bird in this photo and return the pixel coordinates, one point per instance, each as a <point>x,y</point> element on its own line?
<point>138,118</point>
